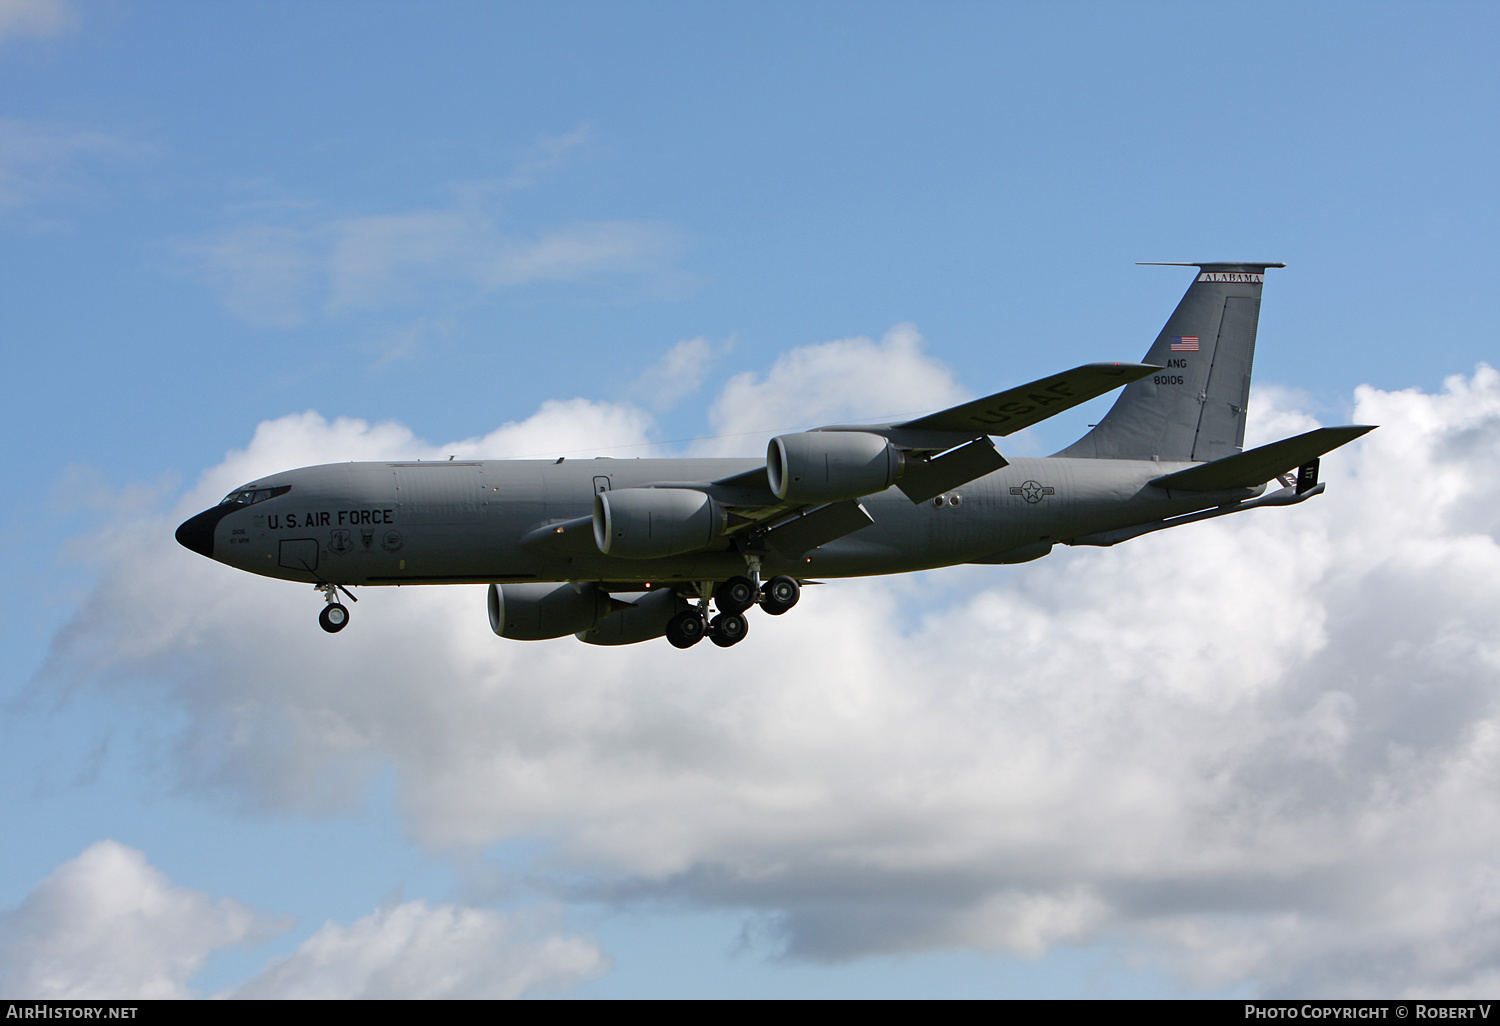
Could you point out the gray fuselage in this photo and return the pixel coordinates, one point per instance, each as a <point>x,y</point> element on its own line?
<point>464,522</point>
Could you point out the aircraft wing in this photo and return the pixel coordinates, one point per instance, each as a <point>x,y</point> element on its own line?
<point>1016,408</point>
<point>945,449</point>
<point>1257,466</point>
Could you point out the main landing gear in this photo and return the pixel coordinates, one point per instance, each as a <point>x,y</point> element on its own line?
<point>732,598</point>
<point>335,615</point>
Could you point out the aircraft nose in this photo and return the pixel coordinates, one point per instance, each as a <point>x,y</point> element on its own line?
<point>197,533</point>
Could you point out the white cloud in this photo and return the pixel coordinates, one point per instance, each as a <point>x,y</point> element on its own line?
<point>678,374</point>
<point>1262,751</point>
<point>854,380</point>
<point>263,273</point>
<point>285,263</point>
<point>287,271</point>
<point>282,275</point>
<point>36,18</point>
<point>108,924</point>
<point>408,341</point>
<point>549,154</point>
<point>1277,413</point>
<point>414,950</point>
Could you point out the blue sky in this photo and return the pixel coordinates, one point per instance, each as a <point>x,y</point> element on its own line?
<point>219,219</point>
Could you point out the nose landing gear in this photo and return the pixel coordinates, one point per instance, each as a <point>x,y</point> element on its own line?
<point>335,615</point>
<point>333,618</point>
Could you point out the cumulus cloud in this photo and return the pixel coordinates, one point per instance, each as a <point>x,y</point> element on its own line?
<point>678,374</point>
<point>414,950</point>
<point>1261,751</point>
<point>848,380</point>
<point>108,924</point>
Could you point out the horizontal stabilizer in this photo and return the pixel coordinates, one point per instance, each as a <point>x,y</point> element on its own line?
<point>1016,408</point>
<point>1257,466</point>
<point>818,527</point>
<point>1280,497</point>
<point>924,479</point>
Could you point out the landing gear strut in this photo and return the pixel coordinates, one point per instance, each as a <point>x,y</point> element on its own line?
<point>335,615</point>
<point>732,598</point>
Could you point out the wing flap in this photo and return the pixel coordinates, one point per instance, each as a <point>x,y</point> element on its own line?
<point>1257,466</point>
<point>926,478</point>
<point>818,527</point>
<point>1016,408</point>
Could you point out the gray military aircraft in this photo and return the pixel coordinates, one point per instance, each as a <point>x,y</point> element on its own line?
<point>621,551</point>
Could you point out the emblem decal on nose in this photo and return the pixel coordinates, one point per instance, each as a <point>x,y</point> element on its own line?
<point>367,536</point>
<point>391,542</point>
<point>338,541</point>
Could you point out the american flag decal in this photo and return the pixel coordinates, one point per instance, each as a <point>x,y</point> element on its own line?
<point>1185,344</point>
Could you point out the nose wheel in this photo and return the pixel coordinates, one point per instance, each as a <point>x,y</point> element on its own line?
<point>333,618</point>
<point>335,615</point>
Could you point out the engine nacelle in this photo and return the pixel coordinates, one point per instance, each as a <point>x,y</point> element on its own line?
<point>830,466</point>
<point>649,523</point>
<point>645,618</point>
<point>536,612</point>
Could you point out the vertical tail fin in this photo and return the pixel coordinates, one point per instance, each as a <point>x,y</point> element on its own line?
<point>1194,408</point>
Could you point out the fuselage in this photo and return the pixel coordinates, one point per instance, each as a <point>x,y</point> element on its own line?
<point>478,521</point>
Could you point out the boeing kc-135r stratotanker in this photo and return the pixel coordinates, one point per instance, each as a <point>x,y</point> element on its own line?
<point>621,551</point>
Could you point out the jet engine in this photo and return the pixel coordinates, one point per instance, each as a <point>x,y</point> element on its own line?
<point>649,523</point>
<point>643,619</point>
<point>535,612</point>
<point>830,466</point>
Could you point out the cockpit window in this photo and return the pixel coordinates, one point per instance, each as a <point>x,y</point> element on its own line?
<point>250,496</point>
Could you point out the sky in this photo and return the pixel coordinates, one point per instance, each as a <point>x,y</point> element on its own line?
<point>1253,757</point>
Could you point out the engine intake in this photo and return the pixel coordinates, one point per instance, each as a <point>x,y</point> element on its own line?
<point>830,466</point>
<point>649,523</point>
